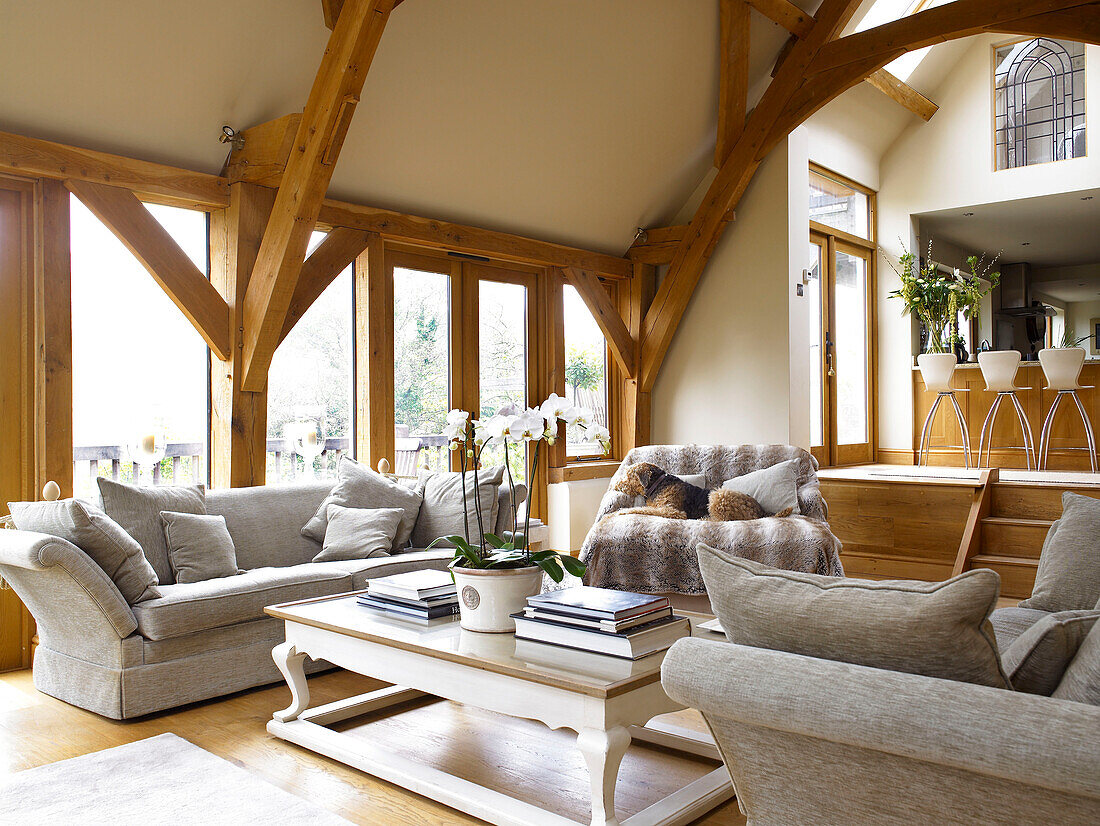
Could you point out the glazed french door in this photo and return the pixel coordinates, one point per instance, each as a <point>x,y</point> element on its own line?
<point>841,378</point>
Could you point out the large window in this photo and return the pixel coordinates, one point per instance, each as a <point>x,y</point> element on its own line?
<point>586,369</point>
<point>502,360</point>
<point>1039,87</point>
<point>309,388</point>
<point>839,205</point>
<point>140,369</point>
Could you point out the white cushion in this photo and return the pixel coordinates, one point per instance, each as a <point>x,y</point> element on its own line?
<point>359,533</point>
<point>775,487</point>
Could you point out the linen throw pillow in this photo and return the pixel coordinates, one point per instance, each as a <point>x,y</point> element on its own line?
<point>442,513</point>
<point>1068,578</point>
<point>775,487</point>
<point>199,546</point>
<point>1081,682</point>
<point>100,537</point>
<point>938,629</point>
<point>359,533</point>
<point>361,487</point>
<point>1037,660</point>
<point>137,510</point>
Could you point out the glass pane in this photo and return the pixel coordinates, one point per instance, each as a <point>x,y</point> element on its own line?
<point>585,370</point>
<point>502,361</point>
<point>839,206</point>
<point>309,388</point>
<point>851,349</point>
<point>140,369</point>
<point>817,398</point>
<point>421,369</point>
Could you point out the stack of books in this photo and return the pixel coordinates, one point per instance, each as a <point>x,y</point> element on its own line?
<point>415,595</point>
<point>618,623</point>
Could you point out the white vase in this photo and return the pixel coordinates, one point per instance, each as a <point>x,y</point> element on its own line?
<point>487,596</point>
<point>936,369</point>
<point>1062,366</point>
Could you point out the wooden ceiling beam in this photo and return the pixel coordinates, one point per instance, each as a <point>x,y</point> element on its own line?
<point>263,156</point>
<point>152,245</point>
<point>725,191</point>
<point>733,84</point>
<point>332,256</point>
<point>331,10</point>
<point>317,145</point>
<point>786,14</point>
<point>903,93</point>
<point>1081,23</point>
<point>603,309</point>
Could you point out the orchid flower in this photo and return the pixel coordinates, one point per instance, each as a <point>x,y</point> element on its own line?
<point>556,407</point>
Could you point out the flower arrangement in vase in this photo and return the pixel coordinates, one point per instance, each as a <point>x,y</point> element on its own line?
<point>495,574</point>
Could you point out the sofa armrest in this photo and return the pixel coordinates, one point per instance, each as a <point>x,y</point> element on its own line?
<point>66,592</point>
<point>1025,739</point>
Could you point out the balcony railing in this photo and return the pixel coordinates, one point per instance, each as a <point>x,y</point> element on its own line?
<point>183,463</point>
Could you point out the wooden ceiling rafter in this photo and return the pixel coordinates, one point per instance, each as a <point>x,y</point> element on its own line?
<point>264,153</point>
<point>333,255</point>
<point>319,138</point>
<point>786,14</point>
<point>733,84</point>
<point>607,316</point>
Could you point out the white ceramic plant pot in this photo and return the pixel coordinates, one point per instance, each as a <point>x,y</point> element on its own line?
<point>486,597</point>
<point>936,369</point>
<point>1062,366</point>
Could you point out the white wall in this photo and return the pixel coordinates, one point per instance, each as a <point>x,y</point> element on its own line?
<point>572,511</point>
<point>943,164</point>
<point>1079,316</point>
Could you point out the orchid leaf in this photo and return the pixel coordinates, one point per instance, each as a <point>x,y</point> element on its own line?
<point>494,540</point>
<point>553,569</point>
<point>571,564</point>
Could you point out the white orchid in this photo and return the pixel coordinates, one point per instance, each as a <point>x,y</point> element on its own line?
<point>457,416</point>
<point>501,427</point>
<point>598,433</point>
<point>581,418</point>
<point>480,432</point>
<point>556,407</point>
<point>530,425</point>
<point>510,409</point>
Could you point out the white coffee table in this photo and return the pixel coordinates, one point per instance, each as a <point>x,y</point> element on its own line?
<point>608,702</point>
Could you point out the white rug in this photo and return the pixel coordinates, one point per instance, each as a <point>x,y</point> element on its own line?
<point>161,780</point>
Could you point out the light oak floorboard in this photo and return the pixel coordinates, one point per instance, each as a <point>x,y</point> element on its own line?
<point>518,757</point>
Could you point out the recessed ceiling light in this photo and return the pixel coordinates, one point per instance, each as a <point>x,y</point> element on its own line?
<point>967,214</point>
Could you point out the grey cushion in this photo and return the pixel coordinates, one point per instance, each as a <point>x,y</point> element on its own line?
<point>359,533</point>
<point>1010,623</point>
<point>197,606</point>
<point>1081,682</point>
<point>199,546</point>
<point>1037,660</point>
<point>266,521</point>
<point>1068,578</point>
<point>100,537</point>
<point>442,513</point>
<point>362,570</point>
<point>138,509</point>
<point>361,487</point>
<point>938,629</point>
<point>775,487</point>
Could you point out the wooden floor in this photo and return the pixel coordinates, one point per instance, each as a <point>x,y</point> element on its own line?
<point>521,757</point>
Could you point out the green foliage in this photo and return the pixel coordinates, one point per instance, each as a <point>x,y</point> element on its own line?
<point>584,368</point>
<point>1069,339</point>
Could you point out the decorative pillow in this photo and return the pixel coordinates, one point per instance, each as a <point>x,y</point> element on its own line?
<point>361,487</point>
<point>1081,682</point>
<point>1036,661</point>
<point>100,537</point>
<point>442,512</point>
<point>137,510</point>
<point>199,546</point>
<point>359,533</point>
<point>938,629</point>
<point>775,487</point>
<point>697,479</point>
<point>1068,578</point>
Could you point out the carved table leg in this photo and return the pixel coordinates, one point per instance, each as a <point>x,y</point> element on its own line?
<point>603,752</point>
<point>290,662</point>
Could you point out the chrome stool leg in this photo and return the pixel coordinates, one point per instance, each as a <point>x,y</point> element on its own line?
<point>924,431</point>
<point>1029,439</point>
<point>1044,437</point>
<point>963,428</point>
<point>987,429</point>
<point>1089,438</point>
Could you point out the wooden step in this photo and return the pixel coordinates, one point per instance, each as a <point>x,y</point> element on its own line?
<point>1034,500</point>
<point>1010,537</point>
<point>865,565</point>
<point>1017,575</point>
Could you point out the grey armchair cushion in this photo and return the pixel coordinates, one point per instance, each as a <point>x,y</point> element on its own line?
<point>138,509</point>
<point>775,487</point>
<point>1037,660</point>
<point>1009,623</point>
<point>442,512</point>
<point>199,546</point>
<point>1068,578</point>
<point>100,537</point>
<point>361,487</point>
<point>938,629</point>
<point>1081,682</point>
<point>359,533</point>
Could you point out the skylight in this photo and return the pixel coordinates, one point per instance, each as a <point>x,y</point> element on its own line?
<point>886,11</point>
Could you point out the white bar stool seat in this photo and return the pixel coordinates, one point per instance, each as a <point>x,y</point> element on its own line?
<point>999,369</point>
<point>1062,368</point>
<point>937,369</point>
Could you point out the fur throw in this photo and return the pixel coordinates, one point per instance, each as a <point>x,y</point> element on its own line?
<point>653,554</point>
<point>668,495</point>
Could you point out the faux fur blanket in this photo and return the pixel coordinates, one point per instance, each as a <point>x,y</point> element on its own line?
<point>652,554</point>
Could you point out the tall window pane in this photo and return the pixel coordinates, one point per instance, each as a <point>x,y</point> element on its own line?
<point>309,388</point>
<point>502,362</point>
<point>852,373</point>
<point>421,368</point>
<point>140,369</point>
<point>839,206</point>
<point>585,369</point>
<point>815,298</point>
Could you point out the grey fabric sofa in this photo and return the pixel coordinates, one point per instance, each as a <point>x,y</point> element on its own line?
<point>198,640</point>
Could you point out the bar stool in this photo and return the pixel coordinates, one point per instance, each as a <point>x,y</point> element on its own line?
<point>937,369</point>
<point>1062,367</point>
<point>999,369</point>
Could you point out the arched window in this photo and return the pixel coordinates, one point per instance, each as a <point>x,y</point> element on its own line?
<point>1040,102</point>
